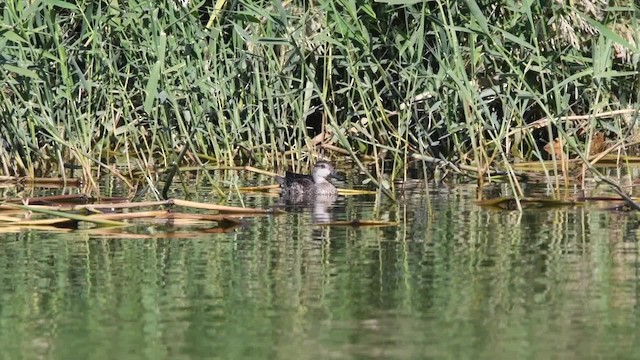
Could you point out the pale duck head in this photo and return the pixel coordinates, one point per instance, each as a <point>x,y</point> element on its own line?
<point>321,171</point>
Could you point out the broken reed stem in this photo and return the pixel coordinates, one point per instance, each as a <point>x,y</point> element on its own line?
<point>165,214</point>
<point>616,188</point>
<point>170,202</point>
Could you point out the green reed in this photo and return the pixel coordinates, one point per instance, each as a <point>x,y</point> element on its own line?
<point>124,87</point>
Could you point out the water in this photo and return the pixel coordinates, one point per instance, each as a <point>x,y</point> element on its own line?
<point>468,283</point>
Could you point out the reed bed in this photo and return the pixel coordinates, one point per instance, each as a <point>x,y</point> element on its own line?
<point>130,88</point>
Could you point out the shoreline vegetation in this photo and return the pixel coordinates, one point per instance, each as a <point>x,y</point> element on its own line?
<point>474,87</point>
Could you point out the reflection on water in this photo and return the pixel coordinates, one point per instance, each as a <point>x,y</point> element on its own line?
<point>321,208</point>
<point>465,283</point>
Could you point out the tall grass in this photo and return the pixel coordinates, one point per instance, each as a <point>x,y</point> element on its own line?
<point>125,86</point>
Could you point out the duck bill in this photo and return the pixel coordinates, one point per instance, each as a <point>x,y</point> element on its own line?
<point>338,176</point>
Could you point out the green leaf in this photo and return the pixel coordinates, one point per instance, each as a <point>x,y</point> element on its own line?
<point>479,16</point>
<point>367,9</point>
<point>570,79</point>
<point>507,35</point>
<point>608,33</point>
<point>152,87</point>
<point>399,2</point>
<point>22,71</point>
<point>273,41</point>
<point>83,80</point>
<point>62,4</point>
<point>245,35</point>
<point>614,73</point>
<point>162,46</point>
<point>282,12</point>
<point>12,36</point>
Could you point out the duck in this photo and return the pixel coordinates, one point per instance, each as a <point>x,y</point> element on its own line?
<point>302,187</point>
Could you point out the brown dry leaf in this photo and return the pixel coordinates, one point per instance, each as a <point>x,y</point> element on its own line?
<point>597,143</point>
<point>555,147</point>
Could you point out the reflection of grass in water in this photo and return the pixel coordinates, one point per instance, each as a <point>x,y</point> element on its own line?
<point>472,282</point>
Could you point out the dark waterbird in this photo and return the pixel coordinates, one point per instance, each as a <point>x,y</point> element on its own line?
<point>314,187</point>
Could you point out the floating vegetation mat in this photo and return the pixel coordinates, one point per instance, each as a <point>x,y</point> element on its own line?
<point>110,216</point>
<point>70,211</point>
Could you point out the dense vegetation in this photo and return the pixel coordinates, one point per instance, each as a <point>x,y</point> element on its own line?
<point>476,83</point>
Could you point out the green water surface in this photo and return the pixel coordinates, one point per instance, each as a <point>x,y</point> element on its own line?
<point>467,283</point>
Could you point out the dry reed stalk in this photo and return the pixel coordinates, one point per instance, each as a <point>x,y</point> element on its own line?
<point>165,214</point>
<point>40,181</point>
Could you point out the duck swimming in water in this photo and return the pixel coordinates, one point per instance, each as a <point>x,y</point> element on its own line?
<point>302,187</point>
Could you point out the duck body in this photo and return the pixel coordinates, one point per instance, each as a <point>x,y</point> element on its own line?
<point>308,188</point>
